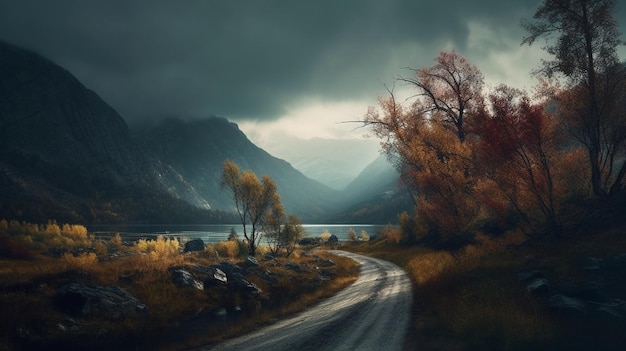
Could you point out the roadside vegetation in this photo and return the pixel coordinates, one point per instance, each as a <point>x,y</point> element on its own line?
<point>473,298</point>
<point>37,260</point>
<point>511,185</point>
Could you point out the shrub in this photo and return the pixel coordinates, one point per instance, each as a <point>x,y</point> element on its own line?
<point>365,236</point>
<point>325,235</point>
<point>430,265</point>
<point>352,234</point>
<point>161,247</point>
<point>83,262</point>
<point>228,248</point>
<point>101,248</point>
<point>391,234</point>
<point>12,248</point>
<point>116,242</point>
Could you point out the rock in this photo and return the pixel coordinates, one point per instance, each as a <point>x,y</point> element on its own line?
<point>251,262</point>
<point>327,263</point>
<point>525,277</point>
<point>103,301</point>
<point>333,240</point>
<point>233,272</point>
<point>215,276</point>
<point>194,245</point>
<point>220,312</point>
<point>614,309</point>
<point>309,241</point>
<point>184,279</point>
<point>268,257</point>
<point>539,286</point>
<point>567,304</point>
<point>248,287</point>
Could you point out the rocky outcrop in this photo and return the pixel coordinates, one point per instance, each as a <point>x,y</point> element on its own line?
<point>184,279</point>
<point>595,298</point>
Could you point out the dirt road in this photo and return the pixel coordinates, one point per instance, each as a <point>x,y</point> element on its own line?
<point>371,314</point>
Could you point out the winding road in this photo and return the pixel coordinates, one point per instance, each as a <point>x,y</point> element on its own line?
<point>371,314</point>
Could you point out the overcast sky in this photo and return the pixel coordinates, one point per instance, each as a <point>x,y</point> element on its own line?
<point>281,69</point>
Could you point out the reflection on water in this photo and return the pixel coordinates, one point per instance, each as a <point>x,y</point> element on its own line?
<point>211,233</point>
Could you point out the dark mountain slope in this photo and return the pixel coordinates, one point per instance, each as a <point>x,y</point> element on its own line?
<point>198,148</point>
<point>63,147</point>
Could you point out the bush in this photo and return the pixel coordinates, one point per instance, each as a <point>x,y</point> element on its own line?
<point>430,265</point>
<point>161,248</point>
<point>352,234</point>
<point>325,236</point>
<point>365,236</point>
<point>391,234</point>
<point>81,262</point>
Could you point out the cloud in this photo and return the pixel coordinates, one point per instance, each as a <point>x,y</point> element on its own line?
<point>256,60</point>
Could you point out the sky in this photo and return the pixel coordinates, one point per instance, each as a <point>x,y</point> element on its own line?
<point>286,71</point>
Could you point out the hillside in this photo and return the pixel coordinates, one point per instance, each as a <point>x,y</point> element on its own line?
<point>198,148</point>
<point>66,154</point>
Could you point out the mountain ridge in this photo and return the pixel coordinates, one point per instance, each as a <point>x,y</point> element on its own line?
<point>65,154</point>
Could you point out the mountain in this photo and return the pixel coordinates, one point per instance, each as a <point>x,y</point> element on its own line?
<point>374,196</point>
<point>198,148</point>
<point>65,152</point>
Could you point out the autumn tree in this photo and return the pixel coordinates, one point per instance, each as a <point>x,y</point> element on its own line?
<point>519,152</point>
<point>428,140</point>
<point>282,232</point>
<point>582,37</point>
<point>449,91</point>
<point>253,200</point>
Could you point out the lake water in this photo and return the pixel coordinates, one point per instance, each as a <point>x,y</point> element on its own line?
<point>212,233</point>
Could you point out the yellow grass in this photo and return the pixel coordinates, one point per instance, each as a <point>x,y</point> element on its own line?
<point>144,270</point>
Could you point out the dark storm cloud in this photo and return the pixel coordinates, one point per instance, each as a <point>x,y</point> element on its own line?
<point>242,59</point>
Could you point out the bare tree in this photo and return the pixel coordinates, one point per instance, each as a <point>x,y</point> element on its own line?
<point>449,90</point>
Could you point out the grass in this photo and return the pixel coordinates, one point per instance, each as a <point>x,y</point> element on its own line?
<point>471,299</point>
<point>38,260</point>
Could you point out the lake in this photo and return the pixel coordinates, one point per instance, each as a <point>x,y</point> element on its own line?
<point>212,233</point>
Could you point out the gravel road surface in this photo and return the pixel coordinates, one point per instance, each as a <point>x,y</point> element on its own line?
<point>371,314</point>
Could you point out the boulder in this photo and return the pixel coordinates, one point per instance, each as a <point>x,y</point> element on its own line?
<point>333,240</point>
<point>566,304</point>
<point>309,241</point>
<point>103,301</point>
<point>194,245</point>
<point>539,286</point>
<point>251,262</point>
<point>526,277</point>
<point>325,263</point>
<point>184,279</point>
<point>232,270</point>
<point>248,287</point>
<point>215,276</point>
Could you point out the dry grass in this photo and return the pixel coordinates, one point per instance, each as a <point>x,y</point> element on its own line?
<point>29,277</point>
<point>471,299</point>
